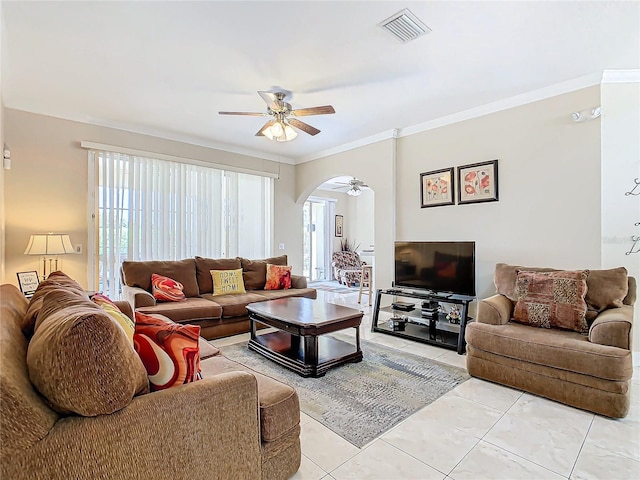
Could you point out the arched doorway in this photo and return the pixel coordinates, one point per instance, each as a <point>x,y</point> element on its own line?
<point>338,214</point>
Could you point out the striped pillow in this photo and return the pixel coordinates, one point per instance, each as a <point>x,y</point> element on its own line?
<point>169,351</point>
<point>166,289</point>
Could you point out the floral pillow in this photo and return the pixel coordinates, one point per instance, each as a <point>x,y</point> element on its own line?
<point>552,299</point>
<point>166,289</point>
<point>278,277</point>
<point>115,313</point>
<point>168,350</point>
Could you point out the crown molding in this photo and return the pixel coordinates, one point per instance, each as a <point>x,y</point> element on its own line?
<point>621,76</point>
<point>506,103</point>
<point>349,146</point>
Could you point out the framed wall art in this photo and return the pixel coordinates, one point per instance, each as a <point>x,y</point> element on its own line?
<point>478,182</point>
<point>339,221</point>
<point>28,282</point>
<point>436,188</point>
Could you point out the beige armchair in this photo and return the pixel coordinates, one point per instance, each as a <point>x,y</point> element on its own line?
<point>591,371</point>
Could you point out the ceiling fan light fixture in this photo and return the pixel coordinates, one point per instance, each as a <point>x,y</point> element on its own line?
<point>354,191</point>
<point>277,129</point>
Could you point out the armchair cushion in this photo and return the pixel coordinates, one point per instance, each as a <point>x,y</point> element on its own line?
<point>552,299</point>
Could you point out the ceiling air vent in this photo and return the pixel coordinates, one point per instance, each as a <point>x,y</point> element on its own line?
<point>405,26</point>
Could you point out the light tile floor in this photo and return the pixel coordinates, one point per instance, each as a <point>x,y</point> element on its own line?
<point>479,430</point>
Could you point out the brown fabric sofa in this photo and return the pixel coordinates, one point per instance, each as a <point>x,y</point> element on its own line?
<point>217,315</point>
<point>589,371</point>
<point>234,423</point>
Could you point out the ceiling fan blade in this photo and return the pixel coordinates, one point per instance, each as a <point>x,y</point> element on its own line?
<point>306,128</point>
<point>270,99</point>
<point>251,114</point>
<point>264,127</point>
<point>301,112</point>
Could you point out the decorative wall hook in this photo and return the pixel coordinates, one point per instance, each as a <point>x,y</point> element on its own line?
<point>633,190</point>
<point>635,248</point>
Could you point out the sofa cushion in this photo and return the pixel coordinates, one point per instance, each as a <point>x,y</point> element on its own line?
<point>278,277</point>
<point>552,299</point>
<point>296,292</point>
<point>53,282</point>
<point>205,265</point>
<point>138,274</point>
<point>191,309</point>
<point>169,351</point>
<point>80,360</point>
<point>166,289</point>
<point>235,305</point>
<point>127,324</point>
<point>279,404</point>
<point>562,349</point>
<point>227,282</point>
<point>255,271</point>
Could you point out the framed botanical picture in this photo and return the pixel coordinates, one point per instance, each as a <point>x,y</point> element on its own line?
<point>28,282</point>
<point>478,182</point>
<point>339,225</point>
<point>436,188</point>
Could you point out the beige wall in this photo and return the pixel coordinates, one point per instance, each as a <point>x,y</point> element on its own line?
<point>548,211</point>
<point>549,176</point>
<point>375,165</point>
<point>47,187</point>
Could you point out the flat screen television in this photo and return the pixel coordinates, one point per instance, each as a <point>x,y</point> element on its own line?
<point>440,267</point>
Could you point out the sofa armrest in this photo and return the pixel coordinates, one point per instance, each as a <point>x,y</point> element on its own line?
<point>613,327</point>
<point>125,307</point>
<point>209,428</point>
<point>298,281</point>
<point>496,310</point>
<point>137,297</point>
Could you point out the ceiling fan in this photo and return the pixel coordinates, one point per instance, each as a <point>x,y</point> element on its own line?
<point>354,186</point>
<point>279,128</point>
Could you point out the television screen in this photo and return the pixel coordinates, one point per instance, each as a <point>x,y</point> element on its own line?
<point>441,267</point>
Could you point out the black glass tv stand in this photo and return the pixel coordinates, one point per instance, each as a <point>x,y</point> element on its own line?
<point>426,321</point>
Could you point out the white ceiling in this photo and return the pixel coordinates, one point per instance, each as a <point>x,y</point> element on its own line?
<point>167,68</point>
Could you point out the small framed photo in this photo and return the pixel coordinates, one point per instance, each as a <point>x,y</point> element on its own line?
<point>339,221</point>
<point>436,188</point>
<point>478,182</point>
<point>28,282</point>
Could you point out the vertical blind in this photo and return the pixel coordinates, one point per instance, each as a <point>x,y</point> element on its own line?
<point>152,209</point>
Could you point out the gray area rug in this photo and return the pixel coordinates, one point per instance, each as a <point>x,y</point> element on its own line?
<point>360,401</point>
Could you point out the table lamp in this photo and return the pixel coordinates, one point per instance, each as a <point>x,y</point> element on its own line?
<point>49,245</point>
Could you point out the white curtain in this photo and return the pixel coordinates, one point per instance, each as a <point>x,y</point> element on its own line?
<point>151,209</point>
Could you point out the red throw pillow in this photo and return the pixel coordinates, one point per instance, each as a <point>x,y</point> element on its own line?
<point>278,277</point>
<point>169,351</point>
<point>552,299</point>
<point>166,289</point>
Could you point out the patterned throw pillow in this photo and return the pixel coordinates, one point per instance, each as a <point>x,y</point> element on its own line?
<point>552,299</point>
<point>278,277</point>
<point>169,351</point>
<point>227,282</point>
<point>115,313</point>
<point>166,289</point>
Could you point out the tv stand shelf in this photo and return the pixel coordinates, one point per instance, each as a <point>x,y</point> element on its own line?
<point>417,327</point>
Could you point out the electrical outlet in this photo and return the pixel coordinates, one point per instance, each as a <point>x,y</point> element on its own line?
<point>78,248</point>
<point>281,246</point>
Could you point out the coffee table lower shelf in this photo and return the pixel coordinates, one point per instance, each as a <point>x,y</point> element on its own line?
<point>290,351</point>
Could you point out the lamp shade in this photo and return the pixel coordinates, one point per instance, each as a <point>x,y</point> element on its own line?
<point>49,244</point>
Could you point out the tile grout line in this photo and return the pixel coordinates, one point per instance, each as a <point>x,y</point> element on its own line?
<point>584,440</point>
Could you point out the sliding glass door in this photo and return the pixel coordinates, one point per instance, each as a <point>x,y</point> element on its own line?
<point>317,239</point>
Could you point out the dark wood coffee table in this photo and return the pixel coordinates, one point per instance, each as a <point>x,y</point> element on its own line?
<point>300,342</point>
